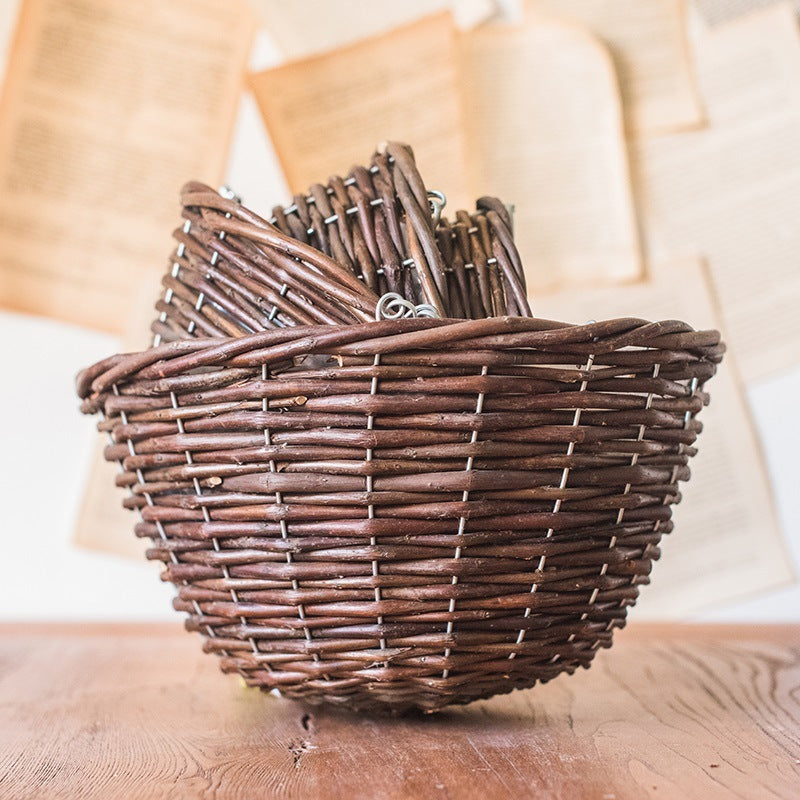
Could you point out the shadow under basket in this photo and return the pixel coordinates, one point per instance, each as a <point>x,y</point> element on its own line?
<point>407,513</point>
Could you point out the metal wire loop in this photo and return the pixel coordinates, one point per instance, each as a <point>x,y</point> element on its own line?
<point>393,306</point>
<point>438,201</point>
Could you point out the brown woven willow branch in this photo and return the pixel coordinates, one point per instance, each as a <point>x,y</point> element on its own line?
<point>235,273</point>
<point>378,218</point>
<point>407,513</point>
<point>330,255</point>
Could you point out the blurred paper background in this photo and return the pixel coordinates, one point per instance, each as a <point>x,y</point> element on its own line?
<point>650,150</point>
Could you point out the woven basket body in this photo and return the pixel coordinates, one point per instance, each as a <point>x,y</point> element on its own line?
<point>407,513</point>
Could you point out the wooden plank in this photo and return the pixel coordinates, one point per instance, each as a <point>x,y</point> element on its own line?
<point>132,711</point>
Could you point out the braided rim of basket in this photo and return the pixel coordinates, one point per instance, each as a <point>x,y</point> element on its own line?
<point>535,571</point>
<point>394,335</point>
<point>229,280</point>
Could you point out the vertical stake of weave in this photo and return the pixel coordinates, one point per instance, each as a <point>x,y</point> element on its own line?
<point>576,419</point>
<point>176,268</point>
<point>301,611</point>
<point>687,418</point>
<point>149,500</point>
<point>373,390</point>
<point>462,522</point>
<point>201,296</point>
<point>207,519</point>
<point>612,543</point>
<point>206,516</point>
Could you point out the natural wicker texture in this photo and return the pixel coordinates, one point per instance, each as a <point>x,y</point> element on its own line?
<point>407,513</point>
<point>330,255</point>
<point>377,222</point>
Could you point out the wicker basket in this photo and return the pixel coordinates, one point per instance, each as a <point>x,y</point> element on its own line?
<point>407,513</point>
<point>332,253</point>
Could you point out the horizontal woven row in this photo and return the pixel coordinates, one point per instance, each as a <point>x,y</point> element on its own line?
<point>408,512</point>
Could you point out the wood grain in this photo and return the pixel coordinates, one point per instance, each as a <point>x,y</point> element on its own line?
<point>133,711</point>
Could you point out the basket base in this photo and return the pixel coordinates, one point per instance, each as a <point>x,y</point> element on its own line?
<point>432,694</point>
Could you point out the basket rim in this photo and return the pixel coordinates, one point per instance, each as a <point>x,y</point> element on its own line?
<point>393,336</point>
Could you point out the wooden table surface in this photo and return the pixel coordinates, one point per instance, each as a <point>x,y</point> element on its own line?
<point>136,711</point>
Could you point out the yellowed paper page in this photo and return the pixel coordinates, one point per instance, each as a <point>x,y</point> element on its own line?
<point>718,11</point>
<point>727,543</point>
<point>327,113</point>
<point>102,523</point>
<point>108,107</point>
<point>302,28</point>
<point>731,192</point>
<point>648,41</point>
<point>545,133</point>
<point>8,20</point>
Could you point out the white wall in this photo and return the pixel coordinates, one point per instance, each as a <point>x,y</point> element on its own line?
<point>45,446</point>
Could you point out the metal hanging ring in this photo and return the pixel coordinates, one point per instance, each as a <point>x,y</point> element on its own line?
<point>438,201</point>
<point>393,306</point>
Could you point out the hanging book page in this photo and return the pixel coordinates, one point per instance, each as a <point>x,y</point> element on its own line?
<point>8,21</point>
<point>102,523</point>
<point>731,191</point>
<point>715,12</point>
<point>648,41</point>
<point>302,28</point>
<point>545,133</point>
<point>108,108</point>
<point>327,113</point>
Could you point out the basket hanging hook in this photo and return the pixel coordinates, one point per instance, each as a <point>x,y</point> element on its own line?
<point>228,193</point>
<point>392,306</point>
<point>438,201</point>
